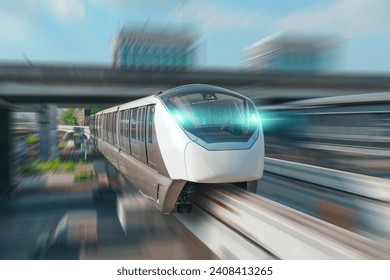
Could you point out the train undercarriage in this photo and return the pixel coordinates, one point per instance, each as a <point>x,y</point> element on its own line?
<point>185,201</point>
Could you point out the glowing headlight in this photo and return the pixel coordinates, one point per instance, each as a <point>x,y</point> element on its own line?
<point>179,117</point>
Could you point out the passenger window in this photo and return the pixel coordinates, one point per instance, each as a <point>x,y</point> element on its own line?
<point>127,128</point>
<point>150,124</point>
<point>114,132</point>
<point>137,122</point>
<point>142,124</point>
<point>133,123</point>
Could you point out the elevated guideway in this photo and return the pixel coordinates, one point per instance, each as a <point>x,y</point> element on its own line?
<point>274,230</point>
<point>69,84</point>
<point>356,202</point>
<point>236,224</point>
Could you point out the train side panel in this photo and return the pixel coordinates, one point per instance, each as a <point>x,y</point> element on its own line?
<point>172,142</point>
<point>150,174</point>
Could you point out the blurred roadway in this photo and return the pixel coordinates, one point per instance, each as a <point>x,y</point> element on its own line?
<point>30,228</point>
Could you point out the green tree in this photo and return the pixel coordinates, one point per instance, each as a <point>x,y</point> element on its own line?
<point>32,140</point>
<point>94,110</point>
<point>69,117</point>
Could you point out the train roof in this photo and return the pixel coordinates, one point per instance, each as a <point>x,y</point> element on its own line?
<point>168,93</point>
<point>131,104</point>
<point>197,87</point>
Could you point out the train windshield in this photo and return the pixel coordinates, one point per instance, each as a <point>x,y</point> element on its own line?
<point>215,116</point>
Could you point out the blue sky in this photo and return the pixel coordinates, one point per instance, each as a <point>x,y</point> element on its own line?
<point>80,31</point>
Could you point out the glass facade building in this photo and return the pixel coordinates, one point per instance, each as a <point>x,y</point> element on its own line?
<point>156,49</point>
<point>291,54</point>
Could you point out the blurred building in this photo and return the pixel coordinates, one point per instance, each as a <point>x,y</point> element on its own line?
<point>79,112</point>
<point>154,48</point>
<point>82,116</point>
<point>292,53</point>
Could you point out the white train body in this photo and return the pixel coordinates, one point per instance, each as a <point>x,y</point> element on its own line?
<point>167,143</point>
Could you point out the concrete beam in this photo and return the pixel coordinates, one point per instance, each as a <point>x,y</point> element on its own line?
<point>107,75</point>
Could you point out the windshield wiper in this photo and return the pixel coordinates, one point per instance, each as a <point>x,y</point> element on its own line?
<point>235,129</point>
<point>223,127</point>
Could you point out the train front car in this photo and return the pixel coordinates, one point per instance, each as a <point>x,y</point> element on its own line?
<point>209,135</point>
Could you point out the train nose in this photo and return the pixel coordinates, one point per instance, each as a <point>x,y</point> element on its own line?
<point>223,166</point>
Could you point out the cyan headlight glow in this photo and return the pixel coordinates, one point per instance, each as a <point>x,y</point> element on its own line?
<point>255,118</point>
<point>179,117</point>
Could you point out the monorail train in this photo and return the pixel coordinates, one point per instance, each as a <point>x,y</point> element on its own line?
<point>169,143</point>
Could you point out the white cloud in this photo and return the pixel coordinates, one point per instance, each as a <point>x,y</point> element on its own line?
<point>12,29</point>
<point>351,18</point>
<point>121,4</point>
<point>207,16</point>
<point>16,19</point>
<point>66,9</point>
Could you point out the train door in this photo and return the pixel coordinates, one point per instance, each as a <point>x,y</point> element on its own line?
<point>142,133</point>
<point>133,133</point>
<point>115,128</point>
<point>150,137</point>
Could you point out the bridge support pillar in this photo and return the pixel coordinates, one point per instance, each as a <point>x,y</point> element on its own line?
<point>48,132</point>
<point>5,154</point>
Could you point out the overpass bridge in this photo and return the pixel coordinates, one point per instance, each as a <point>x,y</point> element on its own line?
<point>71,84</point>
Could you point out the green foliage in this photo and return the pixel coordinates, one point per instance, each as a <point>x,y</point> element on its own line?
<point>61,146</point>
<point>83,176</point>
<point>32,140</point>
<point>69,117</point>
<point>69,166</point>
<point>53,165</point>
<point>38,167</point>
<point>95,110</point>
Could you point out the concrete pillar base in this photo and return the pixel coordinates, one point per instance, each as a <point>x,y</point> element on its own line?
<point>5,147</point>
<point>48,132</point>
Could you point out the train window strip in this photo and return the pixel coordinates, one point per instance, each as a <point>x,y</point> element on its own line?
<point>133,123</point>
<point>105,126</point>
<point>98,126</point>
<point>142,124</point>
<point>113,123</point>
<point>102,126</point>
<point>121,113</point>
<point>150,124</point>
<point>137,124</point>
<point>124,130</point>
<point>114,129</point>
<point>106,120</point>
<point>128,129</point>
<point>143,132</point>
<point>149,145</point>
<point>108,123</point>
<point>108,128</point>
